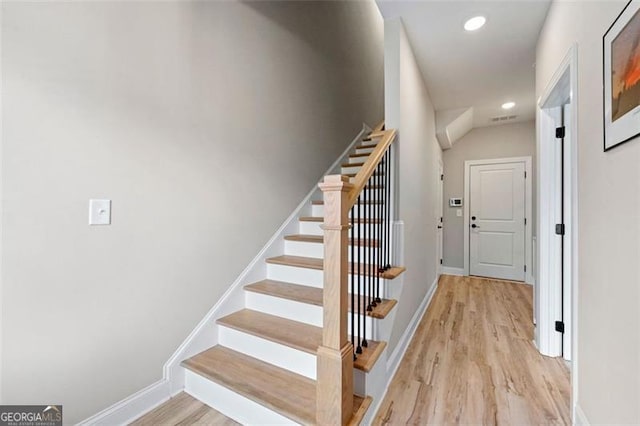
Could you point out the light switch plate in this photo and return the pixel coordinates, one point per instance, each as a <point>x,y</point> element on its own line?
<point>99,212</point>
<point>459,212</point>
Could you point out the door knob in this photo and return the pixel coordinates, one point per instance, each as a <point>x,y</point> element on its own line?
<point>475,226</point>
<point>439,227</point>
<point>473,218</point>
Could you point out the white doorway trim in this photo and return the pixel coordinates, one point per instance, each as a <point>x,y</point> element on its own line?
<point>440,217</point>
<point>528,253</point>
<point>562,89</point>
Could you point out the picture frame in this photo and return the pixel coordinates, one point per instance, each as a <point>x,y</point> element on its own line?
<point>621,77</point>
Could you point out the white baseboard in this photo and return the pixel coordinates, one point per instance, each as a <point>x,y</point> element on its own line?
<point>393,361</point>
<point>205,333</point>
<point>448,270</point>
<point>125,411</point>
<point>579,419</point>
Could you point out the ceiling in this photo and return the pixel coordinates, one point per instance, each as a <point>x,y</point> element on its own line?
<point>481,69</point>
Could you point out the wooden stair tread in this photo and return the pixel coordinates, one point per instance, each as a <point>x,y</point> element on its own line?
<point>321,202</point>
<point>352,220</point>
<point>353,164</point>
<point>360,407</point>
<point>315,263</point>
<point>289,291</point>
<point>311,295</point>
<point>393,272</point>
<point>298,261</point>
<point>294,334</point>
<point>287,393</point>
<point>320,239</point>
<point>367,359</point>
<point>366,154</point>
<point>290,394</point>
<point>351,175</point>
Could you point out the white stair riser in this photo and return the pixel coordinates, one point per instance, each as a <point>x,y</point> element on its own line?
<point>351,169</point>
<point>310,277</point>
<point>364,150</point>
<point>233,405</point>
<point>290,274</point>
<point>357,159</point>
<point>318,210</point>
<point>297,311</point>
<point>285,308</point>
<point>307,249</point>
<point>283,356</point>
<point>315,228</point>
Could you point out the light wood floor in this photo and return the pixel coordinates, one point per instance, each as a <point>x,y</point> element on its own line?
<point>183,409</point>
<point>472,361</point>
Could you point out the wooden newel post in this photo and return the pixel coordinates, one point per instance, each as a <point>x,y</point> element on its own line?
<point>334,398</point>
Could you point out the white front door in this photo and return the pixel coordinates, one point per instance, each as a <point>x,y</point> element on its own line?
<point>496,220</point>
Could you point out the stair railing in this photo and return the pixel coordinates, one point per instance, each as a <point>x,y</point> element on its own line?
<point>357,216</point>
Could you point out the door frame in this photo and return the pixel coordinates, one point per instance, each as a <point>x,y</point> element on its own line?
<point>561,89</point>
<point>528,196</point>
<point>440,217</point>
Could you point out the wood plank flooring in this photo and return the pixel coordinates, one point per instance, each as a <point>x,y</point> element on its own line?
<point>472,361</point>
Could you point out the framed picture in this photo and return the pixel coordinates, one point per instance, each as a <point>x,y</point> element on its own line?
<point>621,46</point>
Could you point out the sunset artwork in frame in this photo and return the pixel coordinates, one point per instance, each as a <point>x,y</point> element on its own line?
<point>621,46</point>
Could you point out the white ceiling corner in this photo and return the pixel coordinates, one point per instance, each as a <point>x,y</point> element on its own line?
<point>481,69</point>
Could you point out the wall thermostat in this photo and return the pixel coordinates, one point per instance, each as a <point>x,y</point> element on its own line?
<point>455,202</point>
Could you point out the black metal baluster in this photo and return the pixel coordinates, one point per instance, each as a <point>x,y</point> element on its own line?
<point>352,232</point>
<point>388,223</point>
<point>370,265</point>
<point>379,227</point>
<point>358,221</point>
<point>363,224</point>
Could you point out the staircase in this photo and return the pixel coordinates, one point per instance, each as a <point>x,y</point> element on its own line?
<point>273,362</point>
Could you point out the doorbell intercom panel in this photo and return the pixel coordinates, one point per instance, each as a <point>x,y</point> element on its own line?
<point>455,202</point>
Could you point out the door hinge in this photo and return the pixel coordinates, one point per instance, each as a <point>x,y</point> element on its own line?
<point>440,219</point>
<point>441,261</point>
<point>441,177</point>
<point>525,175</point>
<point>525,221</point>
<point>560,229</point>
<point>525,268</point>
<point>560,326</point>
<point>560,132</point>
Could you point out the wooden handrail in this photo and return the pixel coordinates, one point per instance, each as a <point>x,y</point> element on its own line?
<point>386,139</point>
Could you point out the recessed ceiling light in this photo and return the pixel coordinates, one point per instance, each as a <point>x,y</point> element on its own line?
<point>508,105</point>
<point>475,23</point>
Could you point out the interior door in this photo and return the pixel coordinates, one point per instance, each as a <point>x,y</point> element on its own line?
<point>497,214</point>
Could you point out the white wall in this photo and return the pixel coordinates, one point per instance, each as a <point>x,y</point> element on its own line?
<point>206,123</point>
<point>608,287</point>
<point>507,140</point>
<point>408,108</point>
